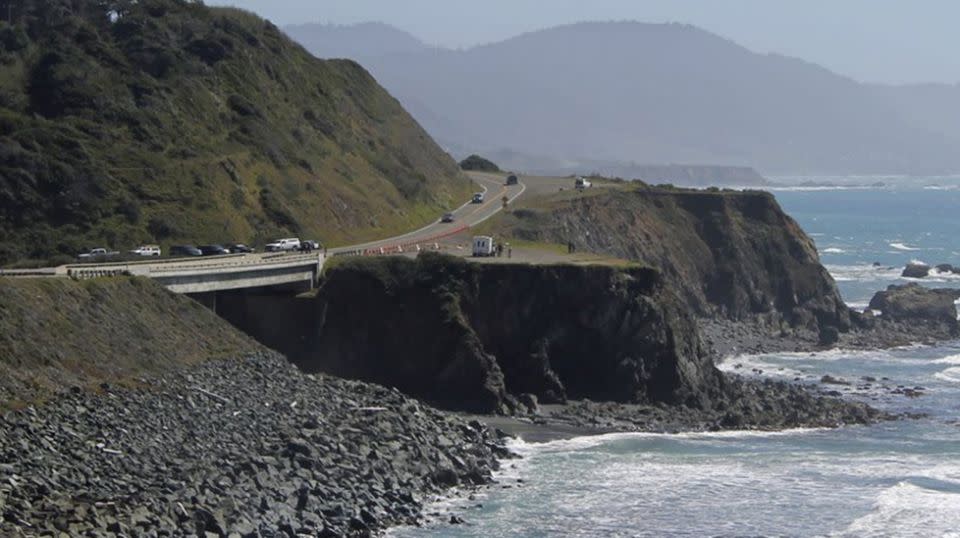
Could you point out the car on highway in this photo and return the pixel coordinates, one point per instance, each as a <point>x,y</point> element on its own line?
<point>283,245</point>
<point>95,254</point>
<point>239,248</point>
<point>185,250</point>
<point>147,250</point>
<point>478,198</point>
<point>213,250</point>
<point>448,217</point>
<point>512,179</point>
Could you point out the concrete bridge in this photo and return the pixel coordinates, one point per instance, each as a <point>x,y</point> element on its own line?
<point>287,271</point>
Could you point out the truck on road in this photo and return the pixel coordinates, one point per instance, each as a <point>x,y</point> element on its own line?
<point>483,246</point>
<point>97,254</point>
<point>283,245</point>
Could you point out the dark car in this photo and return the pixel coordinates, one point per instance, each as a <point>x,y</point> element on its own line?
<point>213,250</point>
<point>448,217</point>
<point>239,248</point>
<point>185,250</point>
<point>512,179</point>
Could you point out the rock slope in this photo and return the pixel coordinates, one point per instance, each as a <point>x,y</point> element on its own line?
<point>238,447</point>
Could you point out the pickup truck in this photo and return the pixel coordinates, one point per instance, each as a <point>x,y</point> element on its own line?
<point>96,254</point>
<point>281,245</point>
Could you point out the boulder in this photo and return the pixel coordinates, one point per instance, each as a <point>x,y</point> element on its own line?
<point>916,270</point>
<point>829,336</point>
<point>915,304</point>
<point>946,268</point>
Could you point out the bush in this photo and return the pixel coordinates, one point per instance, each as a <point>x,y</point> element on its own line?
<point>479,164</point>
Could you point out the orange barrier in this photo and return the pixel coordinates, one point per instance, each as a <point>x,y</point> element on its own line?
<point>413,246</point>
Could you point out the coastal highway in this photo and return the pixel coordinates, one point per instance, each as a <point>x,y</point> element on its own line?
<point>469,214</point>
<point>494,188</point>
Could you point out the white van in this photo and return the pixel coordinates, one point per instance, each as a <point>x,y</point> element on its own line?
<point>281,245</point>
<point>483,246</point>
<point>146,250</point>
<point>582,183</point>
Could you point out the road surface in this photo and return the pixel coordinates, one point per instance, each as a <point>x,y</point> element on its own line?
<point>469,214</point>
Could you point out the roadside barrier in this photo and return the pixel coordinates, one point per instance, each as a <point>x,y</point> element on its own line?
<point>412,246</point>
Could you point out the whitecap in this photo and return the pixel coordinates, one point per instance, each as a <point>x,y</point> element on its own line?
<point>904,247</point>
<point>907,509</point>
<point>834,250</point>
<point>951,375</point>
<point>950,359</point>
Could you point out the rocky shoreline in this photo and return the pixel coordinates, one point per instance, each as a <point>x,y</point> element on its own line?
<point>239,447</point>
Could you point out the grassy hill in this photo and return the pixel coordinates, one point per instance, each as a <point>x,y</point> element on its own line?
<point>168,121</point>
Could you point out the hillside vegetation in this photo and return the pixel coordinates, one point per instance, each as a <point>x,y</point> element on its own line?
<point>168,121</point>
<point>58,333</point>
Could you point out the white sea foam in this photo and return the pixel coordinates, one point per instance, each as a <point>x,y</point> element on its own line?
<point>951,375</point>
<point>904,247</point>
<point>949,359</point>
<point>907,509</point>
<point>862,273</point>
<point>834,250</point>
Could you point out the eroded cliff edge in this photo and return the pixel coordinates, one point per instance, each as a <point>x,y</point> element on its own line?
<point>731,255</point>
<point>483,338</point>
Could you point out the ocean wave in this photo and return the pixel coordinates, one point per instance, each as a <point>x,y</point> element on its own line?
<point>863,273</point>
<point>909,509</point>
<point>949,359</point>
<point>904,247</point>
<point>951,375</point>
<point>834,250</point>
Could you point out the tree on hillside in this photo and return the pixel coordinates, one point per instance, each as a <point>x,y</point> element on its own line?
<point>479,164</point>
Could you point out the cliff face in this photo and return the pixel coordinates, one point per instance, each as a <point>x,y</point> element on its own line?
<point>471,336</point>
<point>729,254</point>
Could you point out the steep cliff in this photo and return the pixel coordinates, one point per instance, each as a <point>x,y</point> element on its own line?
<point>483,337</point>
<point>735,255</point>
<point>468,336</point>
<point>168,121</point>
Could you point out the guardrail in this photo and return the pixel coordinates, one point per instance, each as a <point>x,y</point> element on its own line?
<point>225,264</point>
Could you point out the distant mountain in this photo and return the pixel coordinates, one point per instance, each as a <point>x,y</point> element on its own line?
<point>169,122</point>
<point>357,41</point>
<point>662,93</point>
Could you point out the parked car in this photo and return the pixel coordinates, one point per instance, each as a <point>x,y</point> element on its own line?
<point>281,245</point>
<point>309,246</point>
<point>213,250</point>
<point>478,198</point>
<point>582,183</point>
<point>185,250</point>
<point>147,250</point>
<point>448,217</point>
<point>97,254</point>
<point>512,179</point>
<point>239,248</point>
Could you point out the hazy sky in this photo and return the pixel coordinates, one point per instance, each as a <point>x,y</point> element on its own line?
<point>871,40</point>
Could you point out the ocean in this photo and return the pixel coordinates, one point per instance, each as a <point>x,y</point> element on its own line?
<point>891,479</point>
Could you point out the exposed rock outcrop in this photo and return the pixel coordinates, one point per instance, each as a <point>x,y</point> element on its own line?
<point>506,338</point>
<point>914,310</point>
<point>472,336</point>
<point>916,270</point>
<point>732,255</point>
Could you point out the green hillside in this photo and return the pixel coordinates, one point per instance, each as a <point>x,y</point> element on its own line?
<point>124,122</point>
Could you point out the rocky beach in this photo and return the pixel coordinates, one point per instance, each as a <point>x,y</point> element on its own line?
<point>247,446</point>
